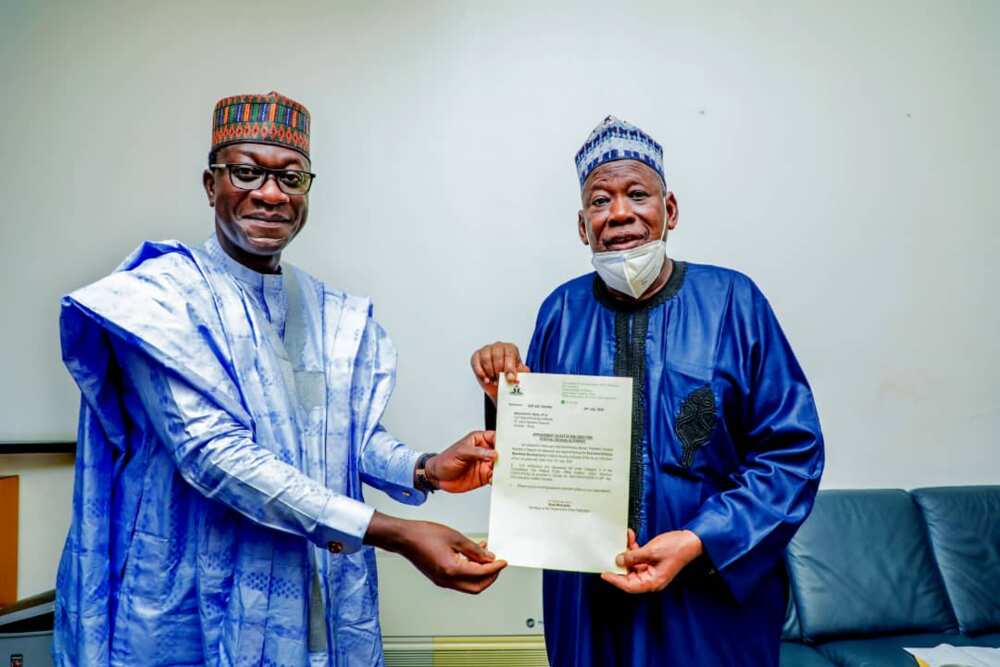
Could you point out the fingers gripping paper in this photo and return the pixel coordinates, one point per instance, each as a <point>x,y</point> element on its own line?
<point>560,484</point>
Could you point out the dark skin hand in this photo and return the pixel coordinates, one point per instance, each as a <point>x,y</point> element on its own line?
<point>443,555</point>
<point>624,205</point>
<point>254,226</point>
<point>491,360</point>
<point>652,567</point>
<point>466,465</point>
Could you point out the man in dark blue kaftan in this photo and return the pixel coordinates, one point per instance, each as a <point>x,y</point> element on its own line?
<point>726,445</point>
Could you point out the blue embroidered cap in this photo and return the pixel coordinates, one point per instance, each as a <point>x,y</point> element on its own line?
<point>615,139</point>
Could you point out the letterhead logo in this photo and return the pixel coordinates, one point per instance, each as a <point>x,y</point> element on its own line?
<point>515,389</point>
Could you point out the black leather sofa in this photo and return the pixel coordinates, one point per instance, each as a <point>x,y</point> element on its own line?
<point>872,571</point>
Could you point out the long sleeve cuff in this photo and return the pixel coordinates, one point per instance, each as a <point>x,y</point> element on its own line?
<point>741,552</point>
<point>351,518</point>
<point>399,472</point>
<point>399,475</point>
<point>387,464</point>
<point>719,541</point>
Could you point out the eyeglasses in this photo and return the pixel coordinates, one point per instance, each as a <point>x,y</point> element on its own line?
<point>253,177</point>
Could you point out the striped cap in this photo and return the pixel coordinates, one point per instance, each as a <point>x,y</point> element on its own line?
<point>261,119</point>
<point>615,139</point>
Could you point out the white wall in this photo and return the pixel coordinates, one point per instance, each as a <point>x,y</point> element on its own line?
<point>842,154</point>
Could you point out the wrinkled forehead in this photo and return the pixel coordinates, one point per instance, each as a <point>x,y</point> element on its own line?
<point>623,173</point>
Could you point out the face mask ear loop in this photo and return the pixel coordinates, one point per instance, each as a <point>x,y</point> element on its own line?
<point>663,234</point>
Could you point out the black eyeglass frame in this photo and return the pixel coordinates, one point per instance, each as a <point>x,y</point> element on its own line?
<point>268,173</point>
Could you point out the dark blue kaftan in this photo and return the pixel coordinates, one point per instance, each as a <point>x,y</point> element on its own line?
<point>726,443</point>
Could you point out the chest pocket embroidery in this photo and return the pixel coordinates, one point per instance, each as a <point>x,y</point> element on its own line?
<point>695,422</point>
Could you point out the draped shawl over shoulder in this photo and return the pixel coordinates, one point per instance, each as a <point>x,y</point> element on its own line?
<point>215,464</point>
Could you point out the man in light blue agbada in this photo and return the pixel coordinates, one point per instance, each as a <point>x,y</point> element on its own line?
<point>231,410</point>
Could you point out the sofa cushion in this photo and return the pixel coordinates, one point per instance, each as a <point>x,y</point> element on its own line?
<point>964,527</point>
<point>794,654</point>
<point>861,564</point>
<point>791,631</point>
<point>885,651</point>
<point>992,640</point>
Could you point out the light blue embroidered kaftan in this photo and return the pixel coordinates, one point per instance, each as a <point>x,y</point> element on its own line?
<point>228,419</point>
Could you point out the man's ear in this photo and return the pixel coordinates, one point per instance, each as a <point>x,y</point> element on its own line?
<point>581,227</point>
<point>208,181</point>
<point>672,211</point>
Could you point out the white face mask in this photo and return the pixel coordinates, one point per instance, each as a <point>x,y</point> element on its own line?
<point>631,271</point>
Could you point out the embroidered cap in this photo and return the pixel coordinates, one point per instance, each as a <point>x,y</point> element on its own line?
<point>261,119</point>
<point>615,139</point>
